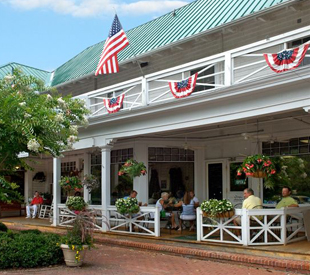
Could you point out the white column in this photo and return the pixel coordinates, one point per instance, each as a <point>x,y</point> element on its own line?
<point>228,69</point>
<point>105,182</point>
<point>56,189</point>
<point>140,184</point>
<point>245,224</point>
<point>200,175</point>
<point>199,224</point>
<point>145,93</point>
<point>86,171</point>
<point>28,175</point>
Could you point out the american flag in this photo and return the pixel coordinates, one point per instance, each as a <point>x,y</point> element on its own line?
<point>183,88</point>
<point>115,42</point>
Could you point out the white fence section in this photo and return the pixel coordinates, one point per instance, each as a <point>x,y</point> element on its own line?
<point>146,222</point>
<point>233,67</point>
<point>66,216</point>
<point>258,227</point>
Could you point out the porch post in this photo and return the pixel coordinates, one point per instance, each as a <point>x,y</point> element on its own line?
<point>245,231</point>
<point>87,171</point>
<point>200,175</point>
<point>56,189</point>
<point>27,185</point>
<point>105,183</point>
<point>140,184</point>
<point>228,69</point>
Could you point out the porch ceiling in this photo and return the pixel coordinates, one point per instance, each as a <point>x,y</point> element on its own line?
<point>280,126</point>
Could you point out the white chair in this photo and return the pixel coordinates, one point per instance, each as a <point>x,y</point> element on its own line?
<point>45,211</point>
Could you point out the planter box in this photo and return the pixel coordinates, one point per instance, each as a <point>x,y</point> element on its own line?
<point>69,255</point>
<point>227,214</point>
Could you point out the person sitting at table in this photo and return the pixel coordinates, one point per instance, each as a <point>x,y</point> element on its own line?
<point>287,200</point>
<point>193,198</point>
<point>133,194</point>
<point>35,203</point>
<point>188,210</point>
<point>162,206</point>
<point>250,202</point>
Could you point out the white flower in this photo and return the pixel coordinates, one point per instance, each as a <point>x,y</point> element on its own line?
<point>62,103</point>
<point>284,168</point>
<point>302,166</point>
<point>84,121</point>
<point>8,78</point>
<point>72,139</point>
<point>22,104</point>
<point>36,92</point>
<point>73,130</point>
<point>59,117</point>
<point>49,97</point>
<point>304,175</point>
<point>33,145</point>
<point>26,115</point>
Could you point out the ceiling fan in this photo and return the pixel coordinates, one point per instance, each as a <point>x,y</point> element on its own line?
<point>187,146</point>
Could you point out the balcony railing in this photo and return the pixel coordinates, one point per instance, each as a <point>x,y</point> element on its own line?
<point>214,72</point>
<point>258,227</point>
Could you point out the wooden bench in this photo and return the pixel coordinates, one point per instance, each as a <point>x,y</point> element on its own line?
<point>10,207</point>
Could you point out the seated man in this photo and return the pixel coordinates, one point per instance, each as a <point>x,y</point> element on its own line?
<point>287,200</point>
<point>36,201</point>
<point>133,194</point>
<point>249,203</point>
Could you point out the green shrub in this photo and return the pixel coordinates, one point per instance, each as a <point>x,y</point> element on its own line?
<point>3,227</point>
<point>29,250</point>
<point>31,231</point>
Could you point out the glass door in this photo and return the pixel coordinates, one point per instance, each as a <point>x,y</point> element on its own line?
<point>215,179</point>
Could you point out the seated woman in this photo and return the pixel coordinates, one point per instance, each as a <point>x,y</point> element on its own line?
<point>162,206</point>
<point>188,213</point>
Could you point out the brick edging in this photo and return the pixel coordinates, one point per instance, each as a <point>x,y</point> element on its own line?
<point>221,256</point>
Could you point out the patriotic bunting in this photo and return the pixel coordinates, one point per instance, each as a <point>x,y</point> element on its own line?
<point>183,88</point>
<point>287,59</point>
<point>114,104</point>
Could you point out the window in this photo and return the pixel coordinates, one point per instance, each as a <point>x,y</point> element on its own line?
<point>158,154</point>
<point>294,146</point>
<point>237,183</point>
<point>120,185</point>
<point>207,80</point>
<point>299,42</point>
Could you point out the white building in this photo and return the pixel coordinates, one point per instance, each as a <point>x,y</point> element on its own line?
<point>239,104</point>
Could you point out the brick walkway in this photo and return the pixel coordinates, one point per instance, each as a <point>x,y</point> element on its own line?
<point>122,261</point>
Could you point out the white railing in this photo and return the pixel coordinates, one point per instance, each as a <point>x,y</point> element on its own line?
<point>146,222</point>
<point>66,216</point>
<point>233,67</point>
<point>258,227</point>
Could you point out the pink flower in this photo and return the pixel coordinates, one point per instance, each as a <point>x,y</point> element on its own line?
<point>273,171</point>
<point>120,173</point>
<point>259,160</point>
<point>143,172</point>
<point>239,173</point>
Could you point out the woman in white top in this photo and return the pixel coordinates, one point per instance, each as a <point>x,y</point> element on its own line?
<point>161,206</point>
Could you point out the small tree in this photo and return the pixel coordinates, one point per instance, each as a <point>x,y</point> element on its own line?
<point>35,123</point>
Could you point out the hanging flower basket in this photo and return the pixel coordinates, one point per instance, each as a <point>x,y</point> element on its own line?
<point>257,166</point>
<point>132,168</point>
<point>70,183</point>
<point>91,182</point>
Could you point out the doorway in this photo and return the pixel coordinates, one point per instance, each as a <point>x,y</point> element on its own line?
<point>215,180</point>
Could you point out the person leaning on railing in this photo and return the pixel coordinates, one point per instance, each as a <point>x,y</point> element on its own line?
<point>287,200</point>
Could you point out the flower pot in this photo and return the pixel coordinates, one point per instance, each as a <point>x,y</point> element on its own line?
<point>227,214</point>
<point>259,174</point>
<point>69,255</point>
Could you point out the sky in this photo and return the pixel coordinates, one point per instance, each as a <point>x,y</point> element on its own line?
<point>46,33</point>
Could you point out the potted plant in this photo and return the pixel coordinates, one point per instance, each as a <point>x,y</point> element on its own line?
<point>132,168</point>
<point>127,206</point>
<point>91,182</point>
<point>71,183</point>
<point>78,239</point>
<point>257,166</point>
<point>76,204</point>
<point>217,208</point>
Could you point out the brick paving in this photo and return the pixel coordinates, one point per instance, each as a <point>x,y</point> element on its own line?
<point>114,260</point>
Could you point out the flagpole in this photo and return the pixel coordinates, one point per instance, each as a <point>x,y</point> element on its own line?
<point>135,58</point>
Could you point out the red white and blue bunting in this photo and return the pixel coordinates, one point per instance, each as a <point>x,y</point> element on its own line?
<point>287,59</point>
<point>183,88</point>
<point>114,104</point>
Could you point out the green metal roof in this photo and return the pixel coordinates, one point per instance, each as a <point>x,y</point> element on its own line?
<point>194,18</point>
<point>43,75</point>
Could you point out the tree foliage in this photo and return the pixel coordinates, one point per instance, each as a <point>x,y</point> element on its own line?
<point>34,120</point>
